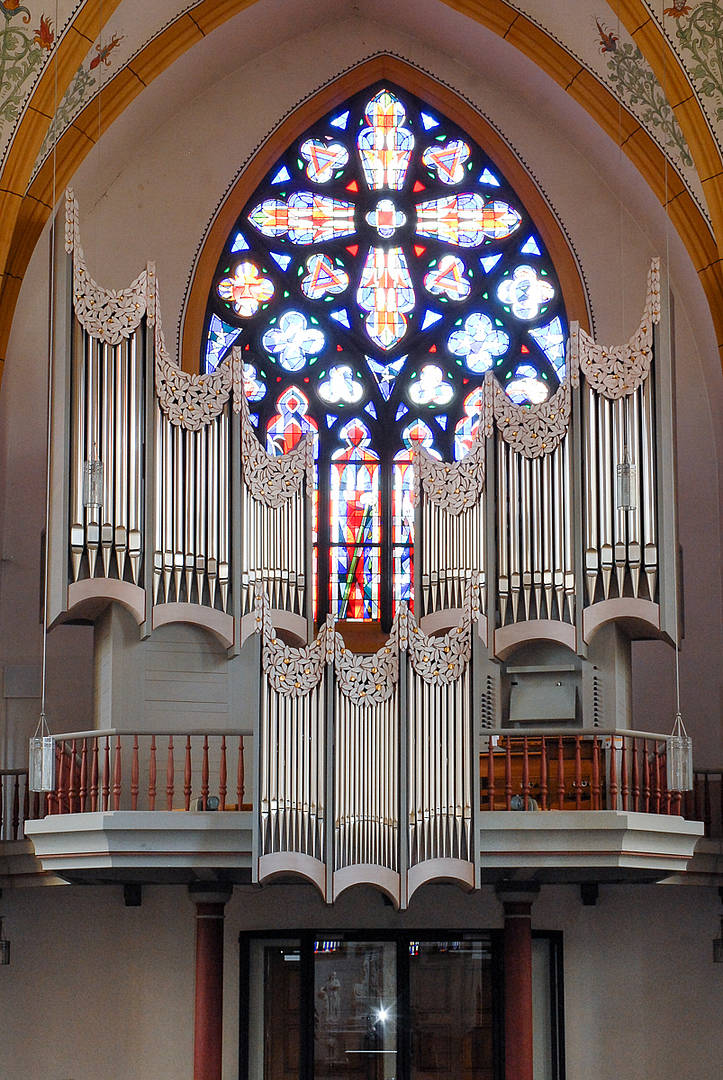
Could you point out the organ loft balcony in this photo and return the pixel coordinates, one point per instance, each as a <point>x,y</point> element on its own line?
<point>452,701</point>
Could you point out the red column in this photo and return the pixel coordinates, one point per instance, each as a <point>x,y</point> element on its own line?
<point>517,905</point>
<point>208,1008</point>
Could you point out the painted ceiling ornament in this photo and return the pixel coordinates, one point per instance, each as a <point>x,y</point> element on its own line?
<point>270,479</point>
<point>615,371</point>
<point>533,430</point>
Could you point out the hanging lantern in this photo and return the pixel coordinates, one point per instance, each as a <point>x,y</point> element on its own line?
<point>41,762</point>
<point>680,758</point>
<point>718,946</point>
<point>625,476</point>
<point>4,946</point>
<point>93,483</point>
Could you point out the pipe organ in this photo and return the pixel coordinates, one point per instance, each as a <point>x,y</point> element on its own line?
<point>557,523</point>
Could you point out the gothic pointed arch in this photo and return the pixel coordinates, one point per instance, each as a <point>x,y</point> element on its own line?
<point>373,263</point>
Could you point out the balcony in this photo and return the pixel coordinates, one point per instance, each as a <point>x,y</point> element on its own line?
<point>175,807</point>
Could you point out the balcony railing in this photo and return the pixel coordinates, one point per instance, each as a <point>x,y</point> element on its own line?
<point>705,802</point>
<point>105,770</point>
<point>595,770</point>
<point>17,803</point>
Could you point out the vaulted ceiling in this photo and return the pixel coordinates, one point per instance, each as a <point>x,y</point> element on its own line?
<point>651,76</point>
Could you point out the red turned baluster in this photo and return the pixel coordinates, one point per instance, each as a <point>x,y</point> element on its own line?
<point>525,775</point>
<point>204,774</point>
<point>16,808</point>
<point>187,775</point>
<point>508,775</point>
<point>106,774</point>
<point>170,779</point>
<point>53,797</point>
<point>94,778</point>
<point>646,778</point>
<point>83,776</point>
<point>578,774</point>
<point>36,805</point>
<point>222,776</point>
<point>152,766</point>
<point>657,787</point>
<point>62,795</point>
<point>636,777</point>
<point>707,808</point>
<point>117,776</point>
<point>490,774</point>
<point>696,797</point>
<point>667,799</point>
<point>624,771</point>
<point>72,780</point>
<point>595,773</point>
<point>240,773</point>
<point>560,775</point>
<point>613,775</point>
<point>134,775</point>
<point>543,774</point>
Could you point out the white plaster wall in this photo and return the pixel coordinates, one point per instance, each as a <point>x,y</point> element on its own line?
<point>150,188</point>
<point>99,990</point>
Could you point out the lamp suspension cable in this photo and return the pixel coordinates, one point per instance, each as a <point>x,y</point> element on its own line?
<point>41,771</point>
<point>680,751</point>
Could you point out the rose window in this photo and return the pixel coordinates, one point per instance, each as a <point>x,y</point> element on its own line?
<point>380,270</point>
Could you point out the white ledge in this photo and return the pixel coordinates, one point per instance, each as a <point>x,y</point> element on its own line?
<point>612,843</point>
<point>148,840</point>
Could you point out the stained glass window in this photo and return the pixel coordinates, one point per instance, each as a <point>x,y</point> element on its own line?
<point>380,270</point>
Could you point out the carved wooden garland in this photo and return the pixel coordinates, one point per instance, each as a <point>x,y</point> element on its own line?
<point>367,680</point>
<point>616,371</point>
<point>108,315</point>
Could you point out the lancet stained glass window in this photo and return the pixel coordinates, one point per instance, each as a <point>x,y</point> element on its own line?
<point>380,270</point>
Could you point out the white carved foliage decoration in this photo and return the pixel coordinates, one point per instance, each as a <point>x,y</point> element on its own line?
<point>370,680</point>
<point>188,400</point>
<point>533,430</point>
<point>615,371</point>
<point>108,315</point>
<point>291,671</point>
<point>443,658</point>
<point>271,480</point>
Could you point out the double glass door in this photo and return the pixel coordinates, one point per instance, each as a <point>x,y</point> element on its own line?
<point>374,1009</point>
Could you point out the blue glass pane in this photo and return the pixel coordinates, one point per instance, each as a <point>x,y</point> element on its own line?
<point>282,260</point>
<point>430,318</point>
<point>281,176</point>
<point>240,243</point>
<point>429,121</point>
<point>221,337</point>
<point>401,411</point>
<point>369,407</point>
<point>386,374</point>
<point>488,177</point>
<point>489,261</point>
<point>551,340</point>
<point>341,317</point>
<point>340,121</point>
<point>530,247</point>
